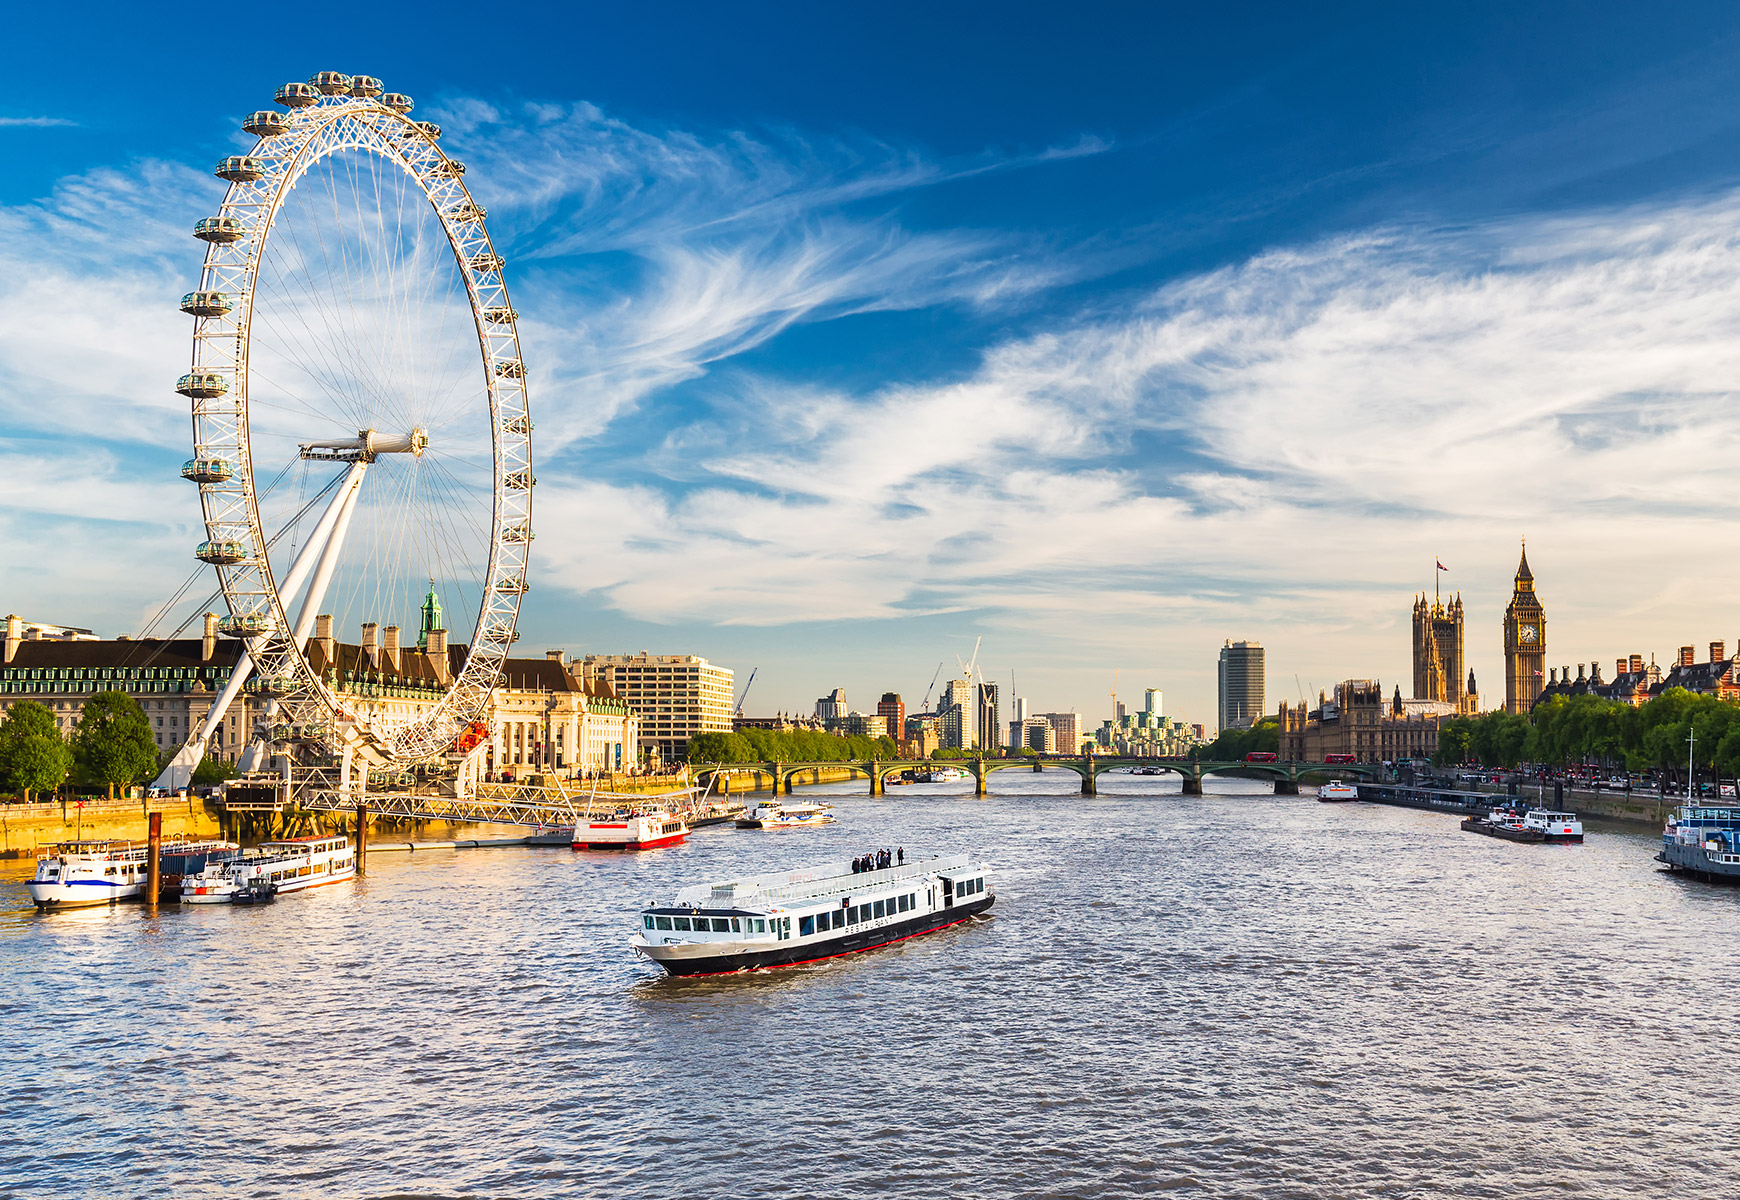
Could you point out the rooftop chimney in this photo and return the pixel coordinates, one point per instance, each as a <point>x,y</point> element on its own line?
<point>1637,664</point>
<point>371,644</point>
<point>323,635</point>
<point>1580,675</point>
<point>14,631</point>
<point>554,656</point>
<point>1718,652</point>
<point>390,647</point>
<point>1618,667</point>
<point>1552,677</point>
<point>208,640</point>
<point>1686,655</point>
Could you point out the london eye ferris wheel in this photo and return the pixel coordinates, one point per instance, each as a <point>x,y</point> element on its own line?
<point>360,426</point>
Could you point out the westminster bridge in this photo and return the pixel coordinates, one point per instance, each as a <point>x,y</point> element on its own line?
<point>779,776</point>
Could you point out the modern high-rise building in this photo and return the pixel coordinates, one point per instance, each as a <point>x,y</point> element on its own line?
<point>675,695</point>
<point>832,706</point>
<point>990,729</point>
<point>1068,727</point>
<point>963,731</point>
<point>1241,684</point>
<point>1152,702</point>
<point>894,708</point>
<point>1022,710</point>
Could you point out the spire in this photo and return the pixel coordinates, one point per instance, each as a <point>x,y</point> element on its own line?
<point>1522,570</point>
<point>431,622</point>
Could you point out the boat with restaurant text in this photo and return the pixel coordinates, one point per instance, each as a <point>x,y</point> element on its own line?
<point>1702,841</point>
<point>85,873</point>
<point>630,829</point>
<point>804,915</point>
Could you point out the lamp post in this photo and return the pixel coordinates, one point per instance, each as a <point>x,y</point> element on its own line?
<point>1691,743</point>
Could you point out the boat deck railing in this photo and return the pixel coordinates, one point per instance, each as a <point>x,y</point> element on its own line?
<point>805,884</point>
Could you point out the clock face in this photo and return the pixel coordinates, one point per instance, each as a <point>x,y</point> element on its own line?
<point>1527,634</point>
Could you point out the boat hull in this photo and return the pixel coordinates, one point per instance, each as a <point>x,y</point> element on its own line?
<point>693,959</point>
<point>1507,832</point>
<point>82,895</point>
<point>648,844</point>
<point>1695,861</point>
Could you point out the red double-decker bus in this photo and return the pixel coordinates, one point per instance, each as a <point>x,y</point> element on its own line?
<point>1261,756</point>
<point>1338,758</point>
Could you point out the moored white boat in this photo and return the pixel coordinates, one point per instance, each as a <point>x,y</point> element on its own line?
<point>805,915</point>
<point>785,816</point>
<point>86,873</point>
<point>1337,790</point>
<point>637,829</point>
<point>295,864</point>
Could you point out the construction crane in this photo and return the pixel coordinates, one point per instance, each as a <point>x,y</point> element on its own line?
<point>932,687</point>
<point>744,694</point>
<point>1114,695</point>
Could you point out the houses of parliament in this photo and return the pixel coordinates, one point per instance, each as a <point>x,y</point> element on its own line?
<point>1358,720</point>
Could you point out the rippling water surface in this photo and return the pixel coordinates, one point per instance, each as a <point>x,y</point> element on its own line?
<point>1228,995</point>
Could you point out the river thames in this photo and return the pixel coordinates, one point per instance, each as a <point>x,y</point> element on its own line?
<point>1235,994</point>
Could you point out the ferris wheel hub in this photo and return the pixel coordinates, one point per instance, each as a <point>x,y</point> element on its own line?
<point>368,445</point>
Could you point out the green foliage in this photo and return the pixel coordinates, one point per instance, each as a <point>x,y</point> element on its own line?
<point>1588,729</point>
<point>112,745</point>
<point>800,745</point>
<point>1233,744</point>
<point>212,770</point>
<point>33,755</point>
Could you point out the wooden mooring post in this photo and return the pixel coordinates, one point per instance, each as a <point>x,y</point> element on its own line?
<point>362,837</point>
<point>154,865</point>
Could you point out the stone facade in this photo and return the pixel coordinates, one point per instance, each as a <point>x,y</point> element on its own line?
<point>1356,720</point>
<point>1525,642</point>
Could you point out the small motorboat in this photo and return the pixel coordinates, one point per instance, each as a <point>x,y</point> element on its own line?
<point>1337,790</point>
<point>258,892</point>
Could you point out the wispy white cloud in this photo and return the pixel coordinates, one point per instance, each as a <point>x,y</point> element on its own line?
<point>34,122</point>
<point>1329,413</point>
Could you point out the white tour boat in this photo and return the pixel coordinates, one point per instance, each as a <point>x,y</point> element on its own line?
<point>1338,790</point>
<point>639,829</point>
<point>944,775</point>
<point>294,864</point>
<point>81,874</point>
<point>214,885</point>
<point>1554,826</point>
<point>785,816</point>
<point>801,916</point>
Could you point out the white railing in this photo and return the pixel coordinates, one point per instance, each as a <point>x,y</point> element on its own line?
<point>811,882</point>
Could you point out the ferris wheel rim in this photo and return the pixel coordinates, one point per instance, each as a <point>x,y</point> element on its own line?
<point>308,134</point>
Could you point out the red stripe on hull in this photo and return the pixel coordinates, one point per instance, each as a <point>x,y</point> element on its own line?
<point>652,845</point>
<point>824,958</point>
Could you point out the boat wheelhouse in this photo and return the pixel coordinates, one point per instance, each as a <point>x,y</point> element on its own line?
<point>1702,841</point>
<point>296,864</point>
<point>636,829</point>
<point>804,915</point>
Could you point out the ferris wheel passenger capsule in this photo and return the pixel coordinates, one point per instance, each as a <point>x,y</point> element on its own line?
<point>296,95</point>
<point>512,585</point>
<point>429,130</point>
<point>221,554</point>
<point>486,262</point>
<point>239,168</point>
<point>470,212</point>
<point>518,534</point>
<point>398,101</point>
<point>206,304</point>
<point>521,424</point>
<point>265,123</point>
<point>499,314</point>
<point>242,625</point>
<point>520,481</point>
<point>511,368</point>
<point>208,470</point>
<point>364,86</point>
<point>202,385</point>
<point>330,83</point>
<point>448,168</point>
<point>220,229</point>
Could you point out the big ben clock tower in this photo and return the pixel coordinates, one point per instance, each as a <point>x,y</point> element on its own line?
<point>1525,642</point>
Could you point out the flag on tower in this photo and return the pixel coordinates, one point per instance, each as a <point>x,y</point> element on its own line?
<point>1441,565</point>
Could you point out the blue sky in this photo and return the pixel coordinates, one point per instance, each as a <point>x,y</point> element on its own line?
<point>857,332</point>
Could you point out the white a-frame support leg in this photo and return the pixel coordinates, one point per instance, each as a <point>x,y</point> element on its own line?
<point>322,548</point>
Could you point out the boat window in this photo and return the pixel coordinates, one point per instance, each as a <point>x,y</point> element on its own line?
<point>852,914</point>
<point>806,926</point>
<point>901,904</point>
<point>736,925</point>
<point>721,925</point>
<point>649,923</point>
<point>662,922</point>
<point>877,910</point>
<point>681,923</point>
<point>760,925</point>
